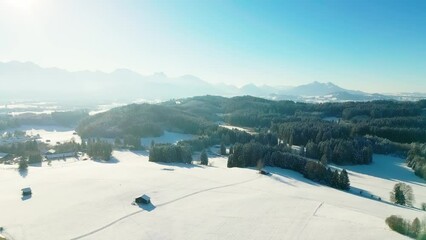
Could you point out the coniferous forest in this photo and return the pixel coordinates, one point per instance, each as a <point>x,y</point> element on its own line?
<point>299,136</point>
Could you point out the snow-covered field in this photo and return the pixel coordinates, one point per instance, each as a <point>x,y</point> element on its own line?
<point>17,108</point>
<point>167,137</point>
<point>51,134</point>
<point>92,200</point>
<point>382,175</point>
<point>247,130</point>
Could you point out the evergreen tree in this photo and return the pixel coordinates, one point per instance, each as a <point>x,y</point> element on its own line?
<point>170,153</point>
<point>23,165</point>
<point>328,177</point>
<point>260,164</point>
<point>312,150</point>
<point>290,141</point>
<point>35,158</point>
<point>117,142</point>
<point>203,158</point>
<point>132,141</point>
<point>222,149</point>
<point>324,160</point>
<point>231,150</point>
<point>402,194</point>
<point>83,145</point>
<point>344,180</point>
<point>399,196</point>
<point>99,149</point>
<point>335,179</point>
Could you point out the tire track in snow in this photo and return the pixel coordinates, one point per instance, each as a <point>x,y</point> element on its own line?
<point>159,205</point>
<point>319,206</point>
<point>8,236</point>
<point>306,222</point>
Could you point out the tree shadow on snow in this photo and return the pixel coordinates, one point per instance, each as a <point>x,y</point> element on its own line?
<point>179,165</point>
<point>23,173</point>
<point>26,197</point>
<point>147,207</point>
<point>112,160</point>
<point>368,195</point>
<point>143,153</point>
<point>290,174</point>
<point>364,193</point>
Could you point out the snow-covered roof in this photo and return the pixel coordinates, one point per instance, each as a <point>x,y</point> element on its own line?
<point>51,151</point>
<point>146,197</point>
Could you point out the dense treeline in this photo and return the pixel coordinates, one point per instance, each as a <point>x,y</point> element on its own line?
<point>28,151</point>
<point>219,135</point>
<point>325,141</point>
<point>385,146</point>
<point>208,107</point>
<point>24,149</point>
<point>66,147</point>
<point>416,159</point>
<point>398,121</point>
<point>401,135</point>
<point>254,112</point>
<point>339,151</point>
<point>382,109</point>
<point>98,149</point>
<point>340,133</point>
<point>67,118</point>
<point>170,153</point>
<point>7,122</point>
<point>250,154</point>
<point>300,131</point>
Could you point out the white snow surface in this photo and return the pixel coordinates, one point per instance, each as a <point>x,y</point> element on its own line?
<point>53,133</point>
<point>243,129</point>
<point>92,200</point>
<point>167,137</point>
<point>383,174</point>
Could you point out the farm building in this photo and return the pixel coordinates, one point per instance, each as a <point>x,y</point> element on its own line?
<point>52,156</point>
<point>26,191</point>
<point>144,199</point>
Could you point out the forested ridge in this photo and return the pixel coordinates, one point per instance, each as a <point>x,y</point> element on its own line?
<point>142,120</point>
<point>340,133</point>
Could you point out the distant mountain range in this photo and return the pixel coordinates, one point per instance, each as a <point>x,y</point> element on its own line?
<point>28,81</point>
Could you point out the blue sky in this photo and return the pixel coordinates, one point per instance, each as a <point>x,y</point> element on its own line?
<point>374,46</point>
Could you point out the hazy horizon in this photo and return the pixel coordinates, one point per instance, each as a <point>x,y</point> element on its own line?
<point>167,75</point>
<point>373,46</point>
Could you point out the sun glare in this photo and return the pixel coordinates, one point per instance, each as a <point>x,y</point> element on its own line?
<point>21,6</point>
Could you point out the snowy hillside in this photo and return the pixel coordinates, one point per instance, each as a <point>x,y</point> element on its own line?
<point>92,200</point>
